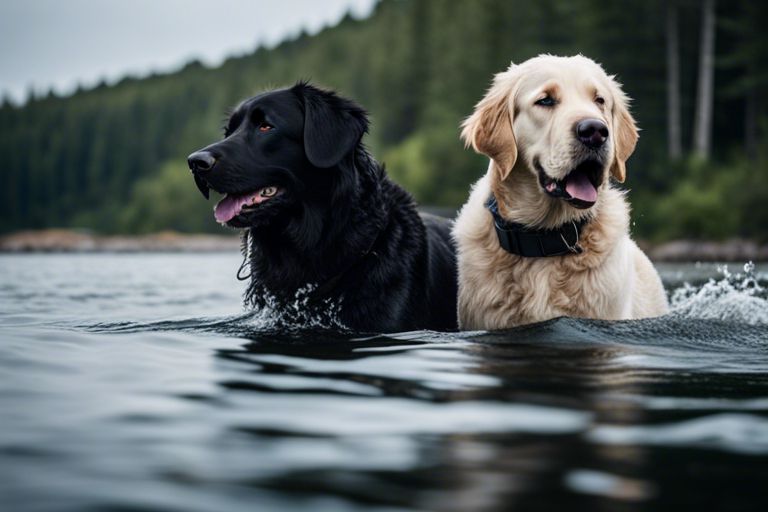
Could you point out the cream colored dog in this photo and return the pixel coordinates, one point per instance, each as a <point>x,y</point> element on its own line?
<point>554,129</point>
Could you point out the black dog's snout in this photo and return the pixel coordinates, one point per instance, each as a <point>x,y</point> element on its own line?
<point>592,133</point>
<point>201,161</point>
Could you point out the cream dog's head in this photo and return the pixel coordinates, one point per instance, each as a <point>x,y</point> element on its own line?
<point>561,118</point>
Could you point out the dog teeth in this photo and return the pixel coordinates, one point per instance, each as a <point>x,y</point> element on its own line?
<point>268,191</point>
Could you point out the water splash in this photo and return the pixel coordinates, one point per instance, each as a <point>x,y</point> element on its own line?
<point>304,312</point>
<point>735,297</point>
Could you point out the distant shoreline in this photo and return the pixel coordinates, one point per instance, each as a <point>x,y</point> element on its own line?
<point>71,241</point>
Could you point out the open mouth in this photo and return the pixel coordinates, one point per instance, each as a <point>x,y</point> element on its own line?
<point>233,205</point>
<point>578,187</point>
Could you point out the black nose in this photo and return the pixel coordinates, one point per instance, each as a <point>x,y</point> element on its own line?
<point>201,161</point>
<point>592,133</point>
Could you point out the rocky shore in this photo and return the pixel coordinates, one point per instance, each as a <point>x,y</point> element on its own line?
<point>733,250</point>
<point>60,240</point>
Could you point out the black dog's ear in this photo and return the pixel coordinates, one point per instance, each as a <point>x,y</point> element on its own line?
<point>332,125</point>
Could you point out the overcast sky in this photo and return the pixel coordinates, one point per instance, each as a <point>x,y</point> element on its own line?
<point>60,43</point>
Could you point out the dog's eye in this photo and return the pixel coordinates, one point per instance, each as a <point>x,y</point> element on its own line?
<point>546,101</point>
<point>600,100</point>
<point>265,127</point>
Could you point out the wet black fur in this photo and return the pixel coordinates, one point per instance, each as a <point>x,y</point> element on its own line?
<point>341,224</point>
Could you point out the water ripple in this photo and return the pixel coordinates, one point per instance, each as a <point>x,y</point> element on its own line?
<point>159,393</point>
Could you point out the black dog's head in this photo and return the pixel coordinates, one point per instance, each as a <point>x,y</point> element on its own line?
<point>277,151</point>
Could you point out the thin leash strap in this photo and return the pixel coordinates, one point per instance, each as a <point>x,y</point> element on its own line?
<point>246,258</point>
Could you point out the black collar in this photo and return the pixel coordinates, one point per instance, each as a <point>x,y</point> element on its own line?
<point>535,243</point>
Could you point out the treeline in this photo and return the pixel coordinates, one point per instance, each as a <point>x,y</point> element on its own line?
<point>113,158</point>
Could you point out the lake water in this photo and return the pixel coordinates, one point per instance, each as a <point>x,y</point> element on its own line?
<point>137,383</point>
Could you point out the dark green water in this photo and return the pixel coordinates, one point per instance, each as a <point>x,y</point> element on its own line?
<point>135,383</point>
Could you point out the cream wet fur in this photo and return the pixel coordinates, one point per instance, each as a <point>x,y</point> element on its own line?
<point>611,278</point>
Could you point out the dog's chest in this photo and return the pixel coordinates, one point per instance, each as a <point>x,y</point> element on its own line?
<point>540,289</point>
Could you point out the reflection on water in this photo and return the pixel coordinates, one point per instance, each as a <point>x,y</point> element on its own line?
<point>133,383</point>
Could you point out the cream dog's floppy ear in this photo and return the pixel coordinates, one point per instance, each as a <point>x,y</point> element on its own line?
<point>489,129</point>
<point>625,133</point>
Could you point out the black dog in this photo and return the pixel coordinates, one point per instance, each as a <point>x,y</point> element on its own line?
<point>321,215</point>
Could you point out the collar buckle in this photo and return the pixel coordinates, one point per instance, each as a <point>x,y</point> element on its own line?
<point>535,243</point>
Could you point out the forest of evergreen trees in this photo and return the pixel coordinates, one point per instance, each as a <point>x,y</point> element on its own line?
<point>112,158</point>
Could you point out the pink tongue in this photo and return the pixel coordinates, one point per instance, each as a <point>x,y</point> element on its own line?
<point>579,187</point>
<point>230,206</point>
